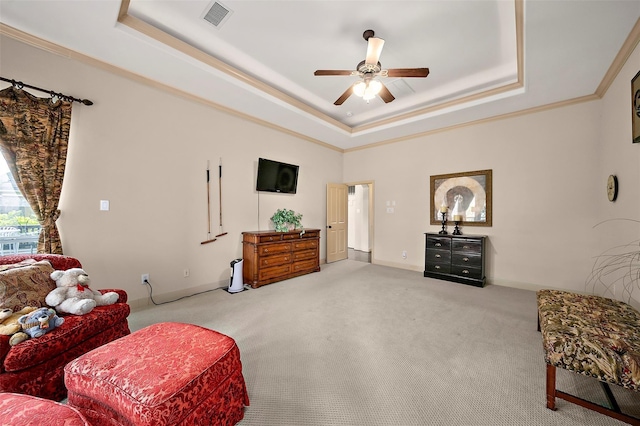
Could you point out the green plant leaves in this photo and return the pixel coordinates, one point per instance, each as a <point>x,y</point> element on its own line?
<point>285,219</point>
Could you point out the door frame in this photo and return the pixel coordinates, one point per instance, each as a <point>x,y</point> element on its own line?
<point>370,228</point>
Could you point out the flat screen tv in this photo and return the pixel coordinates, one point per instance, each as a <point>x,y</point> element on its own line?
<point>274,176</point>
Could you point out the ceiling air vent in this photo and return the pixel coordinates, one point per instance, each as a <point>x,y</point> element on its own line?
<point>217,14</point>
<point>400,87</point>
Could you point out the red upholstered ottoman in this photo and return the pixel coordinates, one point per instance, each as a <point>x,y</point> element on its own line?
<point>165,374</point>
<point>26,410</point>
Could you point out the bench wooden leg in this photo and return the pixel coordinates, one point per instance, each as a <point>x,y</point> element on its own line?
<point>610,397</point>
<point>551,387</point>
<point>553,393</point>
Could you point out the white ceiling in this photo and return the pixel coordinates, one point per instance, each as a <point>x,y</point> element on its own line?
<point>260,60</point>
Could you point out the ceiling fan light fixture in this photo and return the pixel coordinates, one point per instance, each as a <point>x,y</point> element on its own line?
<point>374,87</point>
<point>359,88</point>
<point>370,68</point>
<point>367,90</point>
<point>368,96</point>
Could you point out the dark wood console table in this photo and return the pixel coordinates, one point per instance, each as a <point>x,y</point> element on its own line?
<point>458,258</point>
<point>271,256</point>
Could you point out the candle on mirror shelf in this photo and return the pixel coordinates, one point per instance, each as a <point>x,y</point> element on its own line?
<point>443,209</point>
<point>457,218</point>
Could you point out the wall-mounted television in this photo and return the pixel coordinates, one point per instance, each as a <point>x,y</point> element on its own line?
<point>274,176</point>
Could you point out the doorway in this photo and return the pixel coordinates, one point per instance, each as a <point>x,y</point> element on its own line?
<point>359,207</point>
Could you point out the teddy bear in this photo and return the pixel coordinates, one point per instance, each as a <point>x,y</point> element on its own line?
<point>9,325</point>
<point>73,295</point>
<point>40,321</point>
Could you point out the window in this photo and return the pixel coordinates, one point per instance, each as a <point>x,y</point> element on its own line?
<point>19,227</point>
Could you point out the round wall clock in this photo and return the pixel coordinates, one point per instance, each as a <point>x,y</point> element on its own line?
<point>612,187</point>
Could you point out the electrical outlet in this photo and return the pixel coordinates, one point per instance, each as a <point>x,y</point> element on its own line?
<point>404,254</point>
<point>144,278</point>
<point>185,273</point>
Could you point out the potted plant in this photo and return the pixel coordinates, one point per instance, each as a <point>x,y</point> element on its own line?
<point>286,220</point>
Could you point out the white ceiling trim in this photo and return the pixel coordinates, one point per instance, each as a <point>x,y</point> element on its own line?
<point>506,89</point>
<point>312,130</point>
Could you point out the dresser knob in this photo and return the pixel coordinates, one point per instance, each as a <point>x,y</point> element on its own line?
<point>466,247</point>
<point>464,271</point>
<point>266,262</point>
<point>266,250</point>
<point>466,259</point>
<point>437,256</point>
<point>438,245</point>
<point>437,267</point>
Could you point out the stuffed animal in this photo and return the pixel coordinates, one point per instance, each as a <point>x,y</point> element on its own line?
<point>40,321</point>
<point>73,295</point>
<point>9,325</point>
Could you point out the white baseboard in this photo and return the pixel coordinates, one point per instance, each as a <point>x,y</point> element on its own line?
<point>406,266</point>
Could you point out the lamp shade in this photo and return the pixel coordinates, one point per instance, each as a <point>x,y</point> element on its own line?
<point>374,87</point>
<point>359,88</point>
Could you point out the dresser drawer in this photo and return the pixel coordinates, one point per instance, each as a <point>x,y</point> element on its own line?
<point>269,238</point>
<point>438,243</point>
<point>311,234</point>
<point>305,265</point>
<point>274,272</point>
<point>464,271</point>
<point>466,260</point>
<point>438,256</point>
<point>268,249</point>
<point>467,246</point>
<point>278,259</point>
<point>303,245</point>
<point>443,268</point>
<point>305,254</point>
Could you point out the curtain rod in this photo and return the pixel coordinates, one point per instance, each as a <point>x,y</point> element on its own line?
<point>64,97</point>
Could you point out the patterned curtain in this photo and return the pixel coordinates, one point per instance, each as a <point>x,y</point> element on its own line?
<point>34,135</point>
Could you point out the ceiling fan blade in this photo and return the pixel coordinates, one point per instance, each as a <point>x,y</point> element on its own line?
<point>344,96</point>
<point>332,72</point>
<point>374,49</point>
<point>408,72</point>
<point>385,94</point>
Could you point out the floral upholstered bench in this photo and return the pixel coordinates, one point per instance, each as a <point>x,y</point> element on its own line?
<point>593,336</point>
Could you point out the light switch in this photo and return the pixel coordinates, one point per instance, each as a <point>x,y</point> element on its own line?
<point>104,205</point>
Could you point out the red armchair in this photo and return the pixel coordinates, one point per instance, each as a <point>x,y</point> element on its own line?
<point>36,366</point>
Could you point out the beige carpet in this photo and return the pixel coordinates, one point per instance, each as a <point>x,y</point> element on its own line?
<point>361,344</point>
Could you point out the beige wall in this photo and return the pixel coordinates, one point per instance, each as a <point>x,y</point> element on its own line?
<point>549,179</point>
<point>620,157</point>
<point>146,152</point>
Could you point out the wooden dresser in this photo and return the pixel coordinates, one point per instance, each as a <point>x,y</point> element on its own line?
<point>458,258</point>
<point>271,256</point>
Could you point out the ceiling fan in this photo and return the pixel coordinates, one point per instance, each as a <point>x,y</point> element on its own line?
<point>370,68</point>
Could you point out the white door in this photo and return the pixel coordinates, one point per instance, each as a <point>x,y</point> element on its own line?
<point>337,196</point>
